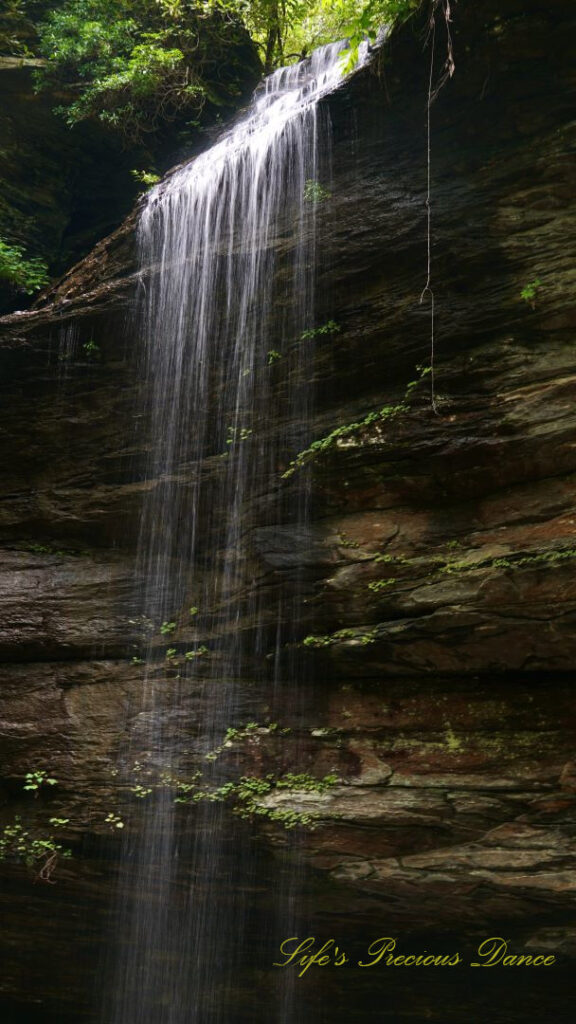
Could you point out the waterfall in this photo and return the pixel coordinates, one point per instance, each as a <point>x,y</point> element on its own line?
<point>227,250</point>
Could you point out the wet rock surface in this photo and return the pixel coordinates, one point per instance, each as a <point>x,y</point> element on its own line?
<point>438,625</point>
<point>62,189</point>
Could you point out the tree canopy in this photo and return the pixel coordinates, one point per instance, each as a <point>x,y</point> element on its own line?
<point>146,70</point>
<point>136,63</point>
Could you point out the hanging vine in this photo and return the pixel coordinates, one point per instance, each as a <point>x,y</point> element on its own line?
<point>442,7</point>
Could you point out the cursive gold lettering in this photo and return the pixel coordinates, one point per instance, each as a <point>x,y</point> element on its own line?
<point>377,949</point>
<point>494,953</point>
<point>305,956</point>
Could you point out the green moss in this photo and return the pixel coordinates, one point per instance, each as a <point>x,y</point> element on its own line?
<point>453,744</point>
<point>392,559</point>
<point>50,549</point>
<point>329,639</point>
<point>553,557</point>
<point>378,585</point>
<point>315,192</point>
<point>505,746</point>
<point>345,542</point>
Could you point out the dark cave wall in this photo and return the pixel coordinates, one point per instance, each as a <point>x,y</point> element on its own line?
<point>447,708</point>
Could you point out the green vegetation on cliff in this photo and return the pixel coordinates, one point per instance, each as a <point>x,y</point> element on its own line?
<point>137,64</point>
<point>26,275</point>
<point>136,81</point>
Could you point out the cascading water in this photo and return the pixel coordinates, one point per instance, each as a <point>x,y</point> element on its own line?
<point>227,251</point>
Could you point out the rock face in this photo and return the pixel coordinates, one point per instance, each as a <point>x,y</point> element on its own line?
<point>440,586</point>
<point>62,189</point>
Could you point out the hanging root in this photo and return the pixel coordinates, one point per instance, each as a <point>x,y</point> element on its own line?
<point>446,73</point>
<point>48,867</point>
<point>449,66</point>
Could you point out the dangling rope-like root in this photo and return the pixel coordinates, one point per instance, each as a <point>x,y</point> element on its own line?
<point>447,72</point>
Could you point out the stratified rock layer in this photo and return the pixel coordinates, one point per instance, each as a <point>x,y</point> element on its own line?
<point>439,564</point>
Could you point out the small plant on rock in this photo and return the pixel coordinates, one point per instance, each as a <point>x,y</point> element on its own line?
<point>529,292</point>
<point>378,585</point>
<point>35,780</point>
<point>20,845</point>
<point>114,820</point>
<point>146,178</point>
<point>315,193</point>
<point>331,327</point>
<point>190,655</point>
<point>91,349</point>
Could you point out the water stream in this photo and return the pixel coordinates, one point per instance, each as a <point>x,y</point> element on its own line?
<point>227,248</point>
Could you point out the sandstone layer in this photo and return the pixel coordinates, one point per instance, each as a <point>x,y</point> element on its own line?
<point>440,592</point>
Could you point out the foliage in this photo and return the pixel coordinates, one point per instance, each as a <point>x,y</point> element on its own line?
<point>19,844</point>
<point>172,655</point>
<point>324,444</point>
<point>244,794</point>
<point>345,542</point>
<point>315,193</point>
<point>141,791</point>
<point>25,274</point>
<point>349,431</point>
<point>146,178</point>
<point>91,349</point>
<point>327,20</point>
<point>190,655</point>
<point>114,820</point>
<point>341,635</point>
<point>552,557</point>
<point>237,434</point>
<point>250,731</point>
<point>17,32</point>
<point>271,24</point>
<point>378,585</point>
<point>530,291</point>
<point>248,792</point>
<point>287,30</point>
<point>138,64</point>
<point>314,332</point>
<point>35,780</point>
<point>50,549</point>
